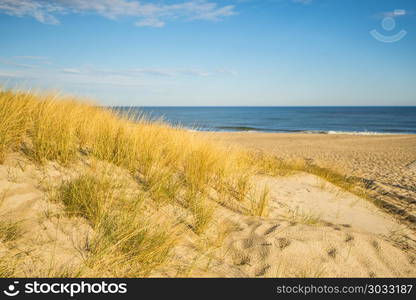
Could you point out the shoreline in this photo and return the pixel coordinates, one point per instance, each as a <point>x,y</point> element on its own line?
<point>323,132</point>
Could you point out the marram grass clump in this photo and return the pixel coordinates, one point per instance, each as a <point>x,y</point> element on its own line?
<point>126,241</point>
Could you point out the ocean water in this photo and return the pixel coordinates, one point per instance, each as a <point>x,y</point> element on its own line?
<point>353,120</point>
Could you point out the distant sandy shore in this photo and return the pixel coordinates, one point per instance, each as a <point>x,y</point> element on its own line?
<point>385,159</point>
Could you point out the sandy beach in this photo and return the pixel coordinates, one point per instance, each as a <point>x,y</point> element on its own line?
<point>386,160</point>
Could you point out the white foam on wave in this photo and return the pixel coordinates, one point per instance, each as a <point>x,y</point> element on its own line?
<point>359,132</point>
<point>302,131</point>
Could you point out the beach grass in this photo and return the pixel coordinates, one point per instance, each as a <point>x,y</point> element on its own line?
<point>9,231</point>
<point>170,165</point>
<point>125,242</point>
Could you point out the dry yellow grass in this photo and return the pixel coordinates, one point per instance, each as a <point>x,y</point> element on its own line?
<point>9,231</point>
<point>125,242</point>
<point>14,115</point>
<point>171,165</point>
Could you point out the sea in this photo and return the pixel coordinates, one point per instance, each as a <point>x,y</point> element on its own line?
<point>311,119</point>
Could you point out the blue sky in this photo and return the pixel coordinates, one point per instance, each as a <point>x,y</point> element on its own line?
<point>212,52</point>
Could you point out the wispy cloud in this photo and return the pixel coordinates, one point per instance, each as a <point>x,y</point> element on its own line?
<point>43,73</point>
<point>73,71</point>
<point>11,62</point>
<point>55,76</point>
<point>139,72</point>
<point>150,23</point>
<point>146,13</point>
<point>10,75</point>
<point>41,58</point>
<point>227,72</point>
<point>40,10</point>
<point>197,73</point>
<point>397,13</point>
<point>25,61</point>
<point>394,13</point>
<point>134,72</point>
<point>39,63</point>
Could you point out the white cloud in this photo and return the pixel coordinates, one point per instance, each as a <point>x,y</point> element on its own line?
<point>40,10</point>
<point>55,76</point>
<point>12,62</point>
<point>150,23</point>
<point>41,58</point>
<point>227,72</point>
<point>129,72</point>
<point>192,72</point>
<point>10,75</point>
<point>39,62</point>
<point>139,72</point>
<point>394,14</point>
<point>70,70</point>
<point>146,13</point>
<point>397,13</point>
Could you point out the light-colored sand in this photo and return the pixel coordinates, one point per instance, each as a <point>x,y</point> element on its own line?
<point>312,229</point>
<point>387,161</point>
<point>47,243</point>
<point>279,248</point>
<point>384,158</point>
<point>309,199</point>
<point>316,229</point>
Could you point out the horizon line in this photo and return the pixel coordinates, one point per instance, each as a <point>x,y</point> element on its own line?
<point>242,106</point>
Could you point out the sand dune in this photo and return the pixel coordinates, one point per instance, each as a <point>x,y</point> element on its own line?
<point>279,248</point>
<point>316,229</point>
<point>312,229</point>
<point>45,242</point>
<point>305,196</point>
